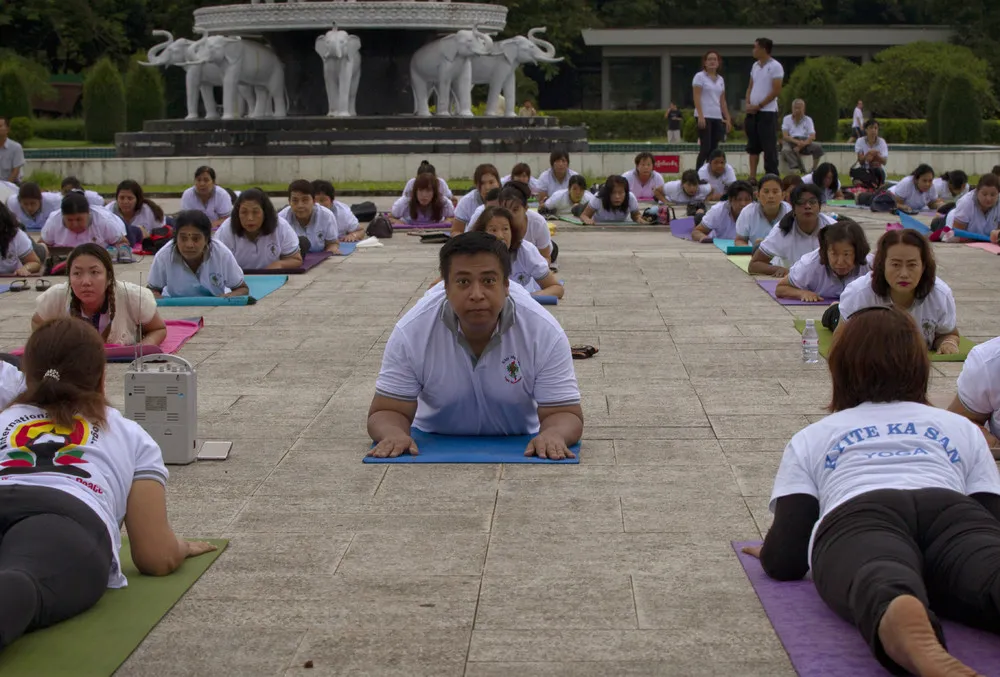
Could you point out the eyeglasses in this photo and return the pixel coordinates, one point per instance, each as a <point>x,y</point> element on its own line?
<point>807,203</point>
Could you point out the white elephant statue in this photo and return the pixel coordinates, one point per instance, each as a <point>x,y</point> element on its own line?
<point>341,54</point>
<point>199,78</point>
<point>245,62</point>
<point>445,66</point>
<point>498,70</point>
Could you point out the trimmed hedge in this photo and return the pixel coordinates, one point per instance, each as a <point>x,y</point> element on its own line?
<point>61,129</point>
<point>103,102</point>
<point>21,129</point>
<point>818,90</point>
<point>960,115</point>
<point>933,116</point>
<point>915,131</point>
<point>144,96</point>
<point>14,99</point>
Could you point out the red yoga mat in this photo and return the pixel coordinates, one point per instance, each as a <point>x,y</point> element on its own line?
<point>178,332</point>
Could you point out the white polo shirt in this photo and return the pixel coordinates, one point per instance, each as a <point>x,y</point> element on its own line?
<point>533,183</point>
<point>347,222</point>
<point>527,266</point>
<point>810,274</point>
<point>11,158</point>
<point>537,232</point>
<point>105,229</point>
<point>467,205</point>
<point>443,188</point>
<point>643,191</point>
<point>321,229</point>
<point>526,365</point>
<point>219,206</point>
<point>711,94</point>
<point>719,184</point>
<point>602,215</point>
<point>17,249</point>
<point>894,445</point>
<point>979,382</point>
<point>798,130</point>
<point>561,204</point>
<point>674,192</point>
<point>967,211</point>
<point>218,274</point>
<point>828,193</point>
<point>942,191</point>
<point>862,146</point>
<point>911,195</point>
<point>548,183</point>
<point>51,202</point>
<point>935,315</point>
<point>786,250</point>
<point>144,218</point>
<point>762,77</point>
<point>94,198</point>
<point>401,210</point>
<point>11,383</point>
<point>720,222</point>
<point>262,252</point>
<point>753,226</point>
<point>858,120</point>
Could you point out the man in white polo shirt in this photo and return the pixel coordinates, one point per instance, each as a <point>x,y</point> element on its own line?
<point>480,357</point>
<point>798,138</point>
<point>11,155</point>
<point>761,123</point>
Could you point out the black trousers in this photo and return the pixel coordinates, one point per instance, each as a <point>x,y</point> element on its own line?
<point>709,139</point>
<point>937,545</point>
<point>555,251</point>
<point>55,557</point>
<point>762,137</point>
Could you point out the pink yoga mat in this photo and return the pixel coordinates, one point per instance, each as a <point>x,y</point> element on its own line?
<point>987,247</point>
<point>311,260</point>
<point>771,285</point>
<point>821,644</point>
<point>178,332</point>
<point>681,228</point>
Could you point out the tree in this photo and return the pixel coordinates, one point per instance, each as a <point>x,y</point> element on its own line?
<point>977,25</point>
<point>837,66</point>
<point>935,95</point>
<point>894,83</point>
<point>103,102</point>
<point>14,101</point>
<point>961,118</point>
<point>817,89</point>
<point>143,95</point>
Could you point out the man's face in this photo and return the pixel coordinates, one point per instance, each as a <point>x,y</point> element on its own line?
<point>798,109</point>
<point>476,290</point>
<point>31,206</point>
<point>324,200</point>
<point>302,205</point>
<point>757,51</point>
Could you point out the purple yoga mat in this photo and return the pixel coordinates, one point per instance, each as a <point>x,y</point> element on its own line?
<point>309,261</point>
<point>821,644</point>
<point>682,228</point>
<point>421,226</point>
<point>772,284</point>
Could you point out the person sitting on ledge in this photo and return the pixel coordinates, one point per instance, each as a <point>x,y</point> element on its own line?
<point>71,183</point>
<point>78,221</point>
<point>315,225</point>
<point>208,197</point>
<point>872,151</point>
<point>643,181</point>
<point>556,177</point>
<point>522,172</point>
<point>894,505</point>
<point>61,522</point>
<point>485,178</point>
<point>193,264</point>
<point>571,201</point>
<point>347,223</point>
<point>798,138</point>
<point>31,207</point>
<point>717,173</point>
<point>424,205</point>
<point>141,215</point>
<point>720,220</point>
<point>528,110</point>
<point>480,357</point>
<point>758,218</point>
<point>427,168</point>
<point>258,237</point>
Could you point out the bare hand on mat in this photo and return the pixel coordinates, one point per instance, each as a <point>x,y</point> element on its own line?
<point>779,272</point>
<point>394,446</point>
<point>753,550</point>
<point>949,346</point>
<point>809,297</point>
<point>195,548</point>
<point>549,445</point>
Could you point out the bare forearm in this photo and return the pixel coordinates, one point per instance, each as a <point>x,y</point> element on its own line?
<point>382,424</point>
<point>242,290</point>
<point>155,337</point>
<point>565,424</point>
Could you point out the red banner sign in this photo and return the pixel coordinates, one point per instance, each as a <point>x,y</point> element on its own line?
<point>667,164</point>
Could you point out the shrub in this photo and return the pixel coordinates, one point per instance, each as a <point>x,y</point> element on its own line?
<point>144,96</point>
<point>63,129</point>
<point>46,180</point>
<point>817,89</point>
<point>615,124</point>
<point>103,102</point>
<point>34,75</point>
<point>838,69</point>
<point>21,129</point>
<point>934,97</point>
<point>961,118</point>
<point>14,100</point>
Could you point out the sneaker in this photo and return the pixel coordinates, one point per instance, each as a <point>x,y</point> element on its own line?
<point>125,254</point>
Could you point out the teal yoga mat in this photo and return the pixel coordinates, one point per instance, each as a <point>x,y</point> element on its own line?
<point>547,300</point>
<point>730,247</point>
<point>434,448</point>
<point>260,286</point>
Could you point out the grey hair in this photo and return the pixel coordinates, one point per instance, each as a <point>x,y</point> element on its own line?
<point>802,101</point>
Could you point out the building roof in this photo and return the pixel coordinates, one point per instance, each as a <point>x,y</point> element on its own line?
<point>806,36</point>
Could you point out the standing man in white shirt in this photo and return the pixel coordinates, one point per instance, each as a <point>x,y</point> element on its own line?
<point>858,122</point>
<point>761,122</point>
<point>11,155</point>
<point>798,138</point>
<point>482,357</point>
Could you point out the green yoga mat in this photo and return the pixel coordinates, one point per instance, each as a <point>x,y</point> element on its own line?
<point>741,261</point>
<point>826,338</point>
<point>97,642</point>
<point>840,203</point>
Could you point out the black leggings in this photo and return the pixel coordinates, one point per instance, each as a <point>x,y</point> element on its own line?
<point>555,252</point>
<point>55,557</point>
<point>937,545</point>
<point>709,139</point>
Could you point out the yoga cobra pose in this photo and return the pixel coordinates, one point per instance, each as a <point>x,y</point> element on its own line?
<point>193,264</point>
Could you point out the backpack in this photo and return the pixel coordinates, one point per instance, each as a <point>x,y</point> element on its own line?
<point>379,227</point>
<point>158,237</point>
<point>364,211</point>
<point>864,178</point>
<point>883,201</point>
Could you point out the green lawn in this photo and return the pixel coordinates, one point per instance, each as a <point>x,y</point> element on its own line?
<point>62,143</point>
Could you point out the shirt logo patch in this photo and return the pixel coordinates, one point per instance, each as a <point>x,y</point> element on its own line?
<point>274,249</point>
<point>522,278</point>
<point>512,369</point>
<point>40,445</point>
<point>215,279</point>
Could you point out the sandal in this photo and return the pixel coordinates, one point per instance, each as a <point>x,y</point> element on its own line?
<point>583,352</point>
<point>42,285</point>
<point>20,284</point>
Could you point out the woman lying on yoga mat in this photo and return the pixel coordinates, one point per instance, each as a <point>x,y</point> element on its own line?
<point>11,379</point>
<point>644,181</point>
<point>556,177</point>
<point>904,276</point>
<point>978,397</point>
<point>208,197</point>
<point>720,220</point>
<point>892,503</point>
<point>978,211</point>
<point>843,256</point>
<point>613,204</point>
<point>424,205</point>
<point>532,225</point>
<point>571,201</point>
<point>123,313</point>
<point>528,267</point>
<point>427,168</point>
<point>258,237</point>
<point>916,191</point>
<point>136,210</point>
<point>825,176</point>
<point>193,264</point>
<point>758,218</point>
<point>314,222</point>
<point>347,223</point>
<point>717,173</point>
<point>18,255</point>
<point>522,172</point>
<point>486,178</point>
<point>789,183</point>
<point>78,222</point>
<point>796,234</point>
<point>31,206</point>
<point>951,185</point>
<point>688,191</point>
<point>60,522</point>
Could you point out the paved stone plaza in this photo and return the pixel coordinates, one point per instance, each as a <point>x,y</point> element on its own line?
<point>619,566</point>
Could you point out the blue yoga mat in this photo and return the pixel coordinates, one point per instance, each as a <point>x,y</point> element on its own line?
<point>470,449</point>
<point>347,248</point>
<point>913,224</point>
<point>260,286</point>
<point>547,300</point>
<point>729,246</point>
<point>971,236</point>
<point>4,288</point>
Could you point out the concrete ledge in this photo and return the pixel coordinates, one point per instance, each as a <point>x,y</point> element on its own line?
<point>259,169</point>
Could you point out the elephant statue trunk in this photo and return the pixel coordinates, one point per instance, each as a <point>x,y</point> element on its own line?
<point>546,47</point>
<point>153,55</point>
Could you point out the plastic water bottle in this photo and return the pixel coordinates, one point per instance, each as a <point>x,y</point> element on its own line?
<point>810,343</point>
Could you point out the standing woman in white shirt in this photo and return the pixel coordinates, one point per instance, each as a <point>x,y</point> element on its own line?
<point>796,234</point>
<point>61,522</point>
<point>205,195</point>
<point>843,256</point>
<point>710,106</point>
<point>759,218</point>
<point>761,121</point>
<point>141,215</point>
<point>892,503</point>
<point>916,191</point>
<point>258,237</point>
